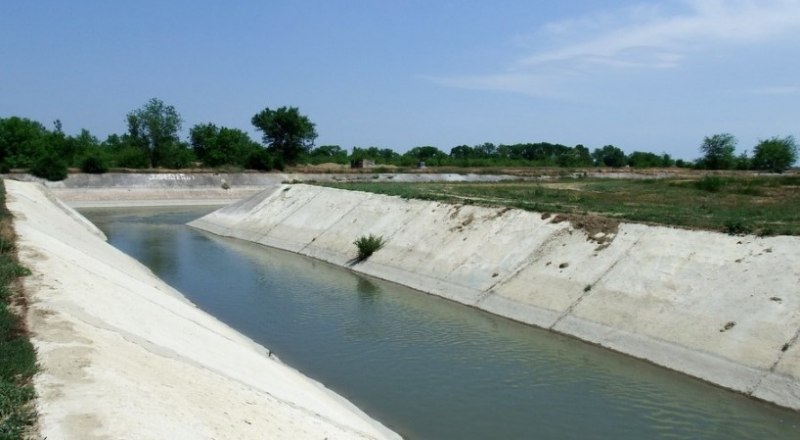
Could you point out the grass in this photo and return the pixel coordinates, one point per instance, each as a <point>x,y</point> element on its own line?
<point>766,205</point>
<point>18,365</point>
<point>367,245</point>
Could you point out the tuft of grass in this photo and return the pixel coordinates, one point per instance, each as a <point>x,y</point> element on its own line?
<point>711,183</point>
<point>736,227</point>
<point>367,245</point>
<point>17,355</point>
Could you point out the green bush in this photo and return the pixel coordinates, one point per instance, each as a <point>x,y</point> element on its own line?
<point>736,227</point>
<point>49,167</point>
<point>131,157</point>
<point>711,183</point>
<point>94,164</point>
<point>367,245</point>
<point>260,160</point>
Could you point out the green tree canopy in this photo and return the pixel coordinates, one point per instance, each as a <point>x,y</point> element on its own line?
<point>776,154</point>
<point>154,127</point>
<point>379,155</point>
<point>718,151</point>
<point>609,156</point>
<point>643,159</point>
<point>428,154</point>
<point>218,146</point>
<point>328,153</point>
<point>578,156</point>
<point>286,132</point>
<point>21,140</point>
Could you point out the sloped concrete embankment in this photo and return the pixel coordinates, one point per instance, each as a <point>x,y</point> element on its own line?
<point>721,308</point>
<point>123,355</point>
<point>154,189</point>
<point>83,190</point>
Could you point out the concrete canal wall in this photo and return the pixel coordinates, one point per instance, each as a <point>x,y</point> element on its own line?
<point>157,189</point>
<point>123,355</point>
<point>722,308</point>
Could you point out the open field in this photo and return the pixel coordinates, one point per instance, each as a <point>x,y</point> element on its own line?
<point>763,205</point>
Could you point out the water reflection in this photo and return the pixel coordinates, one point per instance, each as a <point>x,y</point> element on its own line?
<point>367,290</point>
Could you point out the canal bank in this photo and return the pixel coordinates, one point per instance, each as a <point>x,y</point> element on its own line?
<point>123,355</point>
<point>81,190</point>
<point>717,307</point>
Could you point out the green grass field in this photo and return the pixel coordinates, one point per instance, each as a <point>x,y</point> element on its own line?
<point>768,205</point>
<point>17,356</point>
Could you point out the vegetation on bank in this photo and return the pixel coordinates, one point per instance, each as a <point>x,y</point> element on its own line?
<point>367,245</point>
<point>768,205</point>
<point>153,141</point>
<point>18,365</point>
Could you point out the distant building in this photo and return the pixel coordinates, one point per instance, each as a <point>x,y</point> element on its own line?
<point>362,163</point>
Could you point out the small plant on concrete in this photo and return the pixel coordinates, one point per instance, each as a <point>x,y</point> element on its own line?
<point>367,245</point>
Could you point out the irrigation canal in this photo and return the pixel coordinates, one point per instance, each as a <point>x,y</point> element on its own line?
<point>426,367</point>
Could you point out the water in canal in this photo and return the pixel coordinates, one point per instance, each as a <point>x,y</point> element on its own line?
<point>426,367</point>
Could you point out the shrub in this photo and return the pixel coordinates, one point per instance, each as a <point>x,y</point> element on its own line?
<point>367,245</point>
<point>277,163</point>
<point>49,167</point>
<point>131,157</point>
<point>259,160</point>
<point>94,164</point>
<point>711,183</point>
<point>736,227</point>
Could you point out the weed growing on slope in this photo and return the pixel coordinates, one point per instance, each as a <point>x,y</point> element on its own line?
<point>367,245</point>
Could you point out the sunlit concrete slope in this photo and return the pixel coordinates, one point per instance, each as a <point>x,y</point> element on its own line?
<point>722,308</point>
<point>83,190</point>
<point>124,356</point>
<point>156,189</point>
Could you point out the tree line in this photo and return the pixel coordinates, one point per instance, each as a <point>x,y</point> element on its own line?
<point>152,140</point>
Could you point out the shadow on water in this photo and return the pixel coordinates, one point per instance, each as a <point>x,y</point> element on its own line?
<point>427,367</point>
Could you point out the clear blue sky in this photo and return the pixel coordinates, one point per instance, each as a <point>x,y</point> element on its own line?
<point>650,76</point>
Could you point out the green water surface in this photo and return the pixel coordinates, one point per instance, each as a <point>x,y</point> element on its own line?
<point>426,367</point>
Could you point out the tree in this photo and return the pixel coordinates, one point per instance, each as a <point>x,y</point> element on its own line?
<point>218,146</point>
<point>20,141</point>
<point>328,154</point>
<point>643,159</point>
<point>577,156</point>
<point>742,161</point>
<point>154,127</point>
<point>485,150</point>
<point>124,152</point>
<point>432,155</point>
<point>286,132</point>
<point>49,159</point>
<point>609,156</point>
<point>718,151</point>
<point>49,166</point>
<point>462,152</point>
<point>776,154</point>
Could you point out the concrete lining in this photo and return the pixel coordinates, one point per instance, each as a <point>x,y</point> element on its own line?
<point>81,190</point>
<point>722,308</point>
<point>124,355</point>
